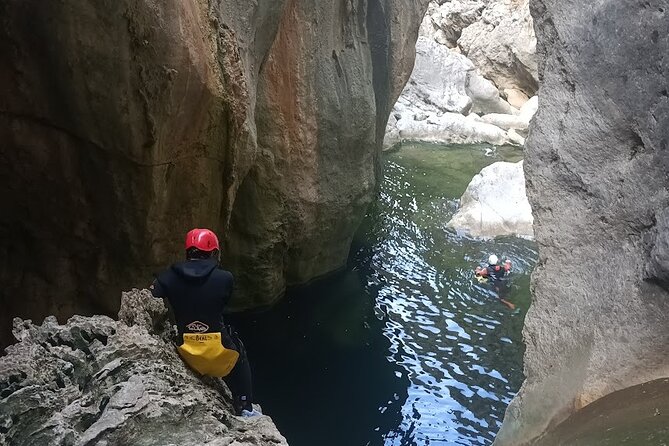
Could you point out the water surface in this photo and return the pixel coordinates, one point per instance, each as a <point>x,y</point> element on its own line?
<point>403,347</point>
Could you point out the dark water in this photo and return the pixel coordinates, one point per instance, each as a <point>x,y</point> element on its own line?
<point>403,347</point>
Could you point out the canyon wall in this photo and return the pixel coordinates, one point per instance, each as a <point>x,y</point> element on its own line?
<point>126,123</point>
<point>596,167</point>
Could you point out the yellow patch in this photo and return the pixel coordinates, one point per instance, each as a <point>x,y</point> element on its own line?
<point>205,354</point>
<point>481,279</point>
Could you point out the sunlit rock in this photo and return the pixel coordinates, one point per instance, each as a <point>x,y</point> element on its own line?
<point>444,22</point>
<point>495,203</point>
<point>449,127</point>
<point>506,122</point>
<point>515,98</point>
<point>502,45</point>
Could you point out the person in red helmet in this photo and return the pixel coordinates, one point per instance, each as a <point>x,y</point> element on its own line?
<point>198,290</point>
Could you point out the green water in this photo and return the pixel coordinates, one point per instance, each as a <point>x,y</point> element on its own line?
<point>403,347</point>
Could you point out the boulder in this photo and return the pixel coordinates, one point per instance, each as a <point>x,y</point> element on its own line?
<point>516,137</point>
<point>495,203</point>
<point>438,80</point>
<point>529,109</point>
<point>485,96</point>
<point>449,128</point>
<point>96,381</point>
<point>506,122</point>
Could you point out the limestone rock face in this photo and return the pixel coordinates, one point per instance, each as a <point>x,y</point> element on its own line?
<point>445,82</point>
<point>495,203</point>
<point>95,381</point>
<point>126,123</point>
<point>445,20</point>
<point>596,165</point>
<point>502,45</point>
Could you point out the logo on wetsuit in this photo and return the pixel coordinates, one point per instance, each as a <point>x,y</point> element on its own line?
<point>197,327</point>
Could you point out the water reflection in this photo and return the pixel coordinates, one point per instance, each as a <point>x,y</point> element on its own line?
<point>404,348</point>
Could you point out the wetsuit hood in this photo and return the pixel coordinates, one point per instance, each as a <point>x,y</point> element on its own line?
<point>193,270</point>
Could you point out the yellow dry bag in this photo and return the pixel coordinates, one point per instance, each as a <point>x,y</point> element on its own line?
<point>205,354</point>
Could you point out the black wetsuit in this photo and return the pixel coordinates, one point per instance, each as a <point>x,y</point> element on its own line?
<point>497,275</point>
<point>496,272</point>
<point>198,291</point>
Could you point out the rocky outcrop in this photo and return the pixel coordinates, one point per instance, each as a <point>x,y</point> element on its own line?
<point>95,381</point>
<point>443,88</point>
<point>495,203</point>
<point>446,86</point>
<point>596,164</point>
<point>126,123</point>
<point>502,45</point>
<point>497,35</point>
<point>445,20</point>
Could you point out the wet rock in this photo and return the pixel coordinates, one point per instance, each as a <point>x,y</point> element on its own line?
<point>96,381</point>
<point>126,123</point>
<point>596,166</point>
<point>495,203</point>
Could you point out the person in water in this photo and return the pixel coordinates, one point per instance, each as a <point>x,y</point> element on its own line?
<point>198,290</point>
<point>496,273</point>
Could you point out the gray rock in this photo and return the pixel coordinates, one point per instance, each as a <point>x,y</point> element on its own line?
<point>596,166</point>
<point>444,22</point>
<point>485,96</point>
<point>506,122</point>
<point>516,137</point>
<point>502,45</point>
<point>452,128</point>
<point>529,109</point>
<point>438,80</point>
<point>96,381</point>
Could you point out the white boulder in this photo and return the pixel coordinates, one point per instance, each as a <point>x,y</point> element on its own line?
<point>506,122</point>
<point>528,110</point>
<point>495,203</point>
<point>484,95</point>
<point>452,128</point>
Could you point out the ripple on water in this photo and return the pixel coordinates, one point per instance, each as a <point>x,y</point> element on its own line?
<point>459,396</point>
<point>405,347</point>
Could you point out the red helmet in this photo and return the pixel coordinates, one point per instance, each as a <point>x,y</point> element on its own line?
<point>202,239</point>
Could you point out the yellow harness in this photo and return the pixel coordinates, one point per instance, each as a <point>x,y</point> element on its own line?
<point>205,354</point>
<point>481,279</point>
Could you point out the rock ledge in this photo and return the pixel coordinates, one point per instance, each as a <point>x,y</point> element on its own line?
<point>96,381</point>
